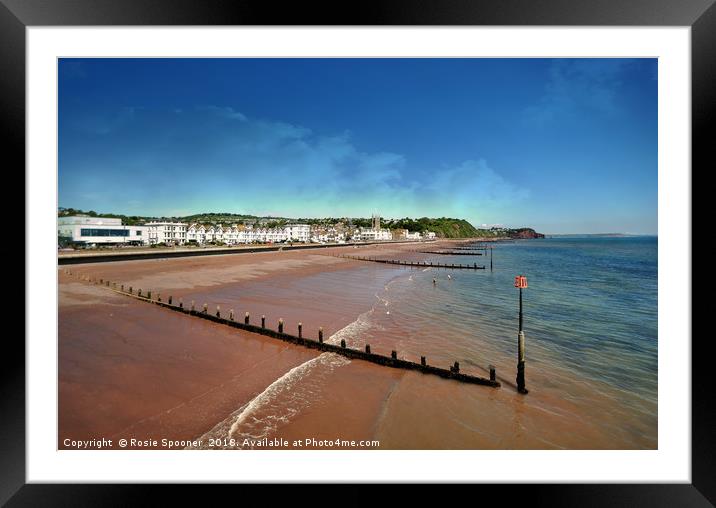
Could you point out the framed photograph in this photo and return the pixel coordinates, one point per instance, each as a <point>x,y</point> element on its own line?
<point>446,244</point>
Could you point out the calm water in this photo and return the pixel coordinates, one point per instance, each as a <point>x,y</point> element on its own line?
<point>591,306</point>
<point>590,314</point>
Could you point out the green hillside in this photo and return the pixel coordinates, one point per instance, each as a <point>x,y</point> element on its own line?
<point>443,227</point>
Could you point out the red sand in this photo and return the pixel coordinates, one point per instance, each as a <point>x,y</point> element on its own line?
<point>127,369</point>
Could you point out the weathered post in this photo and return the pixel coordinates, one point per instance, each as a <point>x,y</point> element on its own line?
<point>280,326</point>
<point>181,303</point>
<point>521,283</point>
<point>170,300</point>
<point>320,335</point>
<point>122,288</point>
<point>231,314</point>
<point>394,355</point>
<point>192,305</point>
<point>130,290</point>
<point>422,361</point>
<point>149,295</point>
<point>139,292</point>
<point>206,308</point>
<point>247,318</point>
<point>343,343</point>
<point>456,368</point>
<point>263,321</point>
<point>492,373</point>
<point>300,330</point>
<point>367,348</point>
<point>218,311</point>
<point>159,297</point>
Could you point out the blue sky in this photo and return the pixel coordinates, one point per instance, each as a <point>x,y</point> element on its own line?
<point>564,146</point>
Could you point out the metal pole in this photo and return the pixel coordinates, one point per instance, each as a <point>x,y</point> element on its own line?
<point>520,328</point>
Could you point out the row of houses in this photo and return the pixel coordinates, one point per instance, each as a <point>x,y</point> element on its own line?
<point>231,235</point>
<point>86,230</point>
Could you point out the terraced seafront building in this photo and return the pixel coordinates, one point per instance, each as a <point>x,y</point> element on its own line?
<point>170,233</point>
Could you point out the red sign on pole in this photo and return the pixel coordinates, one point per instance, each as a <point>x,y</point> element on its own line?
<point>520,281</point>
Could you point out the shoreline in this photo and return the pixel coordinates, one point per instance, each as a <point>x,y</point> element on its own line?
<point>316,290</point>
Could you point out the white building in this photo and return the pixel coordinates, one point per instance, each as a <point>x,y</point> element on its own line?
<point>298,232</point>
<point>375,235</point>
<point>86,230</point>
<point>171,233</point>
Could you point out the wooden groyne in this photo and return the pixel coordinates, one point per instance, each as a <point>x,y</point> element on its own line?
<point>410,264</point>
<point>453,372</point>
<point>449,253</point>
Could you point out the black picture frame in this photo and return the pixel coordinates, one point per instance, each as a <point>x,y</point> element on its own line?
<point>700,15</point>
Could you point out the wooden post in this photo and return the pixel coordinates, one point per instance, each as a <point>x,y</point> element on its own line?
<point>122,288</point>
<point>456,368</point>
<point>192,305</point>
<point>422,361</point>
<point>231,314</point>
<point>130,290</point>
<point>206,308</point>
<point>181,303</point>
<point>218,311</point>
<point>521,282</point>
<point>247,318</point>
<point>263,321</point>
<point>159,297</point>
<point>492,373</point>
<point>300,330</point>
<point>320,335</point>
<point>394,355</point>
<point>521,362</point>
<point>367,348</point>
<point>170,300</point>
<point>343,343</point>
<point>280,326</point>
<point>139,292</point>
<point>149,295</point>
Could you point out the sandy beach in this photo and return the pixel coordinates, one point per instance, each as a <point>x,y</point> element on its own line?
<point>132,370</point>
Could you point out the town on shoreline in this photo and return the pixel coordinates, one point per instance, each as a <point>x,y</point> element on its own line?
<point>84,230</point>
